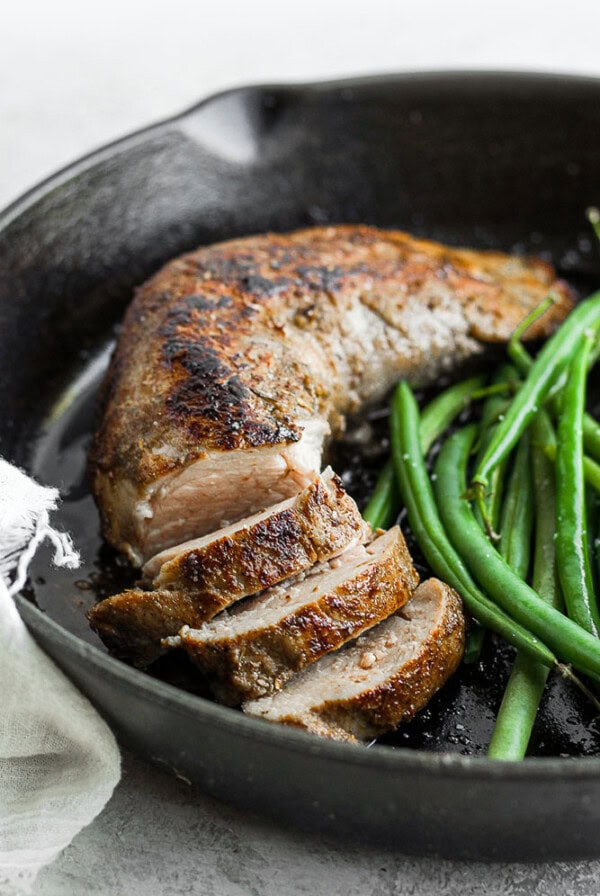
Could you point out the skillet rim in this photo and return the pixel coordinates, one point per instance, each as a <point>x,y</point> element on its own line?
<point>294,740</point>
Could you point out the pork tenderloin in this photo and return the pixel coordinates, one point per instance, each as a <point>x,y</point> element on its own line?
<point>235,363</point>
<point>264,549</point>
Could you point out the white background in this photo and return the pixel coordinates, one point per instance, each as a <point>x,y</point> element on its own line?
<point>77,73</point>
<point>74,75</point>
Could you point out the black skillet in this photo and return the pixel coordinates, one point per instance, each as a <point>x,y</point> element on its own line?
<point>488,160</point>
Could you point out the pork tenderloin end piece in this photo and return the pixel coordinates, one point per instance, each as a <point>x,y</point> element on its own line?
<point>382,679</point>
<point>255,648</point>
<point>132,623</point>
<point>264,549</point>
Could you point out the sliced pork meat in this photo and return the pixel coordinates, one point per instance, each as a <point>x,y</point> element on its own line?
<point>261,550</point>
<point>133,623</point>
<point>380,680</point>
<point>254,649</point>
<point>237,361</point>
<point>196,580</point>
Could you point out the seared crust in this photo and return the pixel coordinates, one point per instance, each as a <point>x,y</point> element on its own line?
<point>375,707</point>
<point>261,658</point>
<point>238,346</point>
<point>320,523</point>
<point>199,582</point>
<point>132,623</point>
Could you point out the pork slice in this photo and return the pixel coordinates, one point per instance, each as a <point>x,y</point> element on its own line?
<point>132,623</point>
<point>202,496</point>
<point>254,649</point>
<point>380,680</point>
<point>264,549</point>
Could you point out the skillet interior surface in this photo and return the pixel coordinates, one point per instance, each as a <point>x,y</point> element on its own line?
<point>489,160</point>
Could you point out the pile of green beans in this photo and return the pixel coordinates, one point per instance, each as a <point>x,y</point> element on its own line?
<point>503,516</point>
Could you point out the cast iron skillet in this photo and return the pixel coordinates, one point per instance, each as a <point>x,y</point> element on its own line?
<point>489,160</point>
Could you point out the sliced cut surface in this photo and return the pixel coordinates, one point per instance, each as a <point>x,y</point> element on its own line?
<point>132,623</point>
<point>256,647</point>
<point>264,549</point>
<point>380,680</point>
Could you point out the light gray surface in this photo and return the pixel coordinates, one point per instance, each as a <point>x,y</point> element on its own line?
<point>75,75</point>
<point>157,837</point>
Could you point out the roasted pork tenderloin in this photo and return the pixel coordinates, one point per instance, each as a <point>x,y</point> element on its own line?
<point>194,581</point>
<point>256,647</point>
<point>380,680</point>
<point>237,361</point>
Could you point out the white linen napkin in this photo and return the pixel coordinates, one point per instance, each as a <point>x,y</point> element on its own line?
<point>59,762</point>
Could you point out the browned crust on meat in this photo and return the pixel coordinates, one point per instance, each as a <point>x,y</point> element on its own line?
<point>132,623</point>
<point>412,687</point>
<point>259,662</point>
<point>214,355</point>
<point>382,708</point>
<point>320,524</point>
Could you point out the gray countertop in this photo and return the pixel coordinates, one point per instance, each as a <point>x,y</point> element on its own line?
<point>74,76</point>
<point>157,836</point>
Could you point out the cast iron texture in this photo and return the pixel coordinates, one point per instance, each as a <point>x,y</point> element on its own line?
<point>489,160</point>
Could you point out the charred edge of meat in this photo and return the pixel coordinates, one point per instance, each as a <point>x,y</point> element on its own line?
<point>208,390</point>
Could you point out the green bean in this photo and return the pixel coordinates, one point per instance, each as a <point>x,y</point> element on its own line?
<point>416,492</point>
<point>571,530</point>
<point>570,642</point>
<point>591,470</point>
<point>517,513</point>
<point>525,687</point>
<point>493,409</point>
<point>524,362</point>
<point>474,644</point>
<point>592,508</point>
<point>443,410</point>
<point>597,545</point>
<point>382,508</point>
<point>545,574</point>
<point>518,710</point>
<point>521,696</point>
<point>548,365</point>
<point>515,348</point>
<point>591,436</point>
